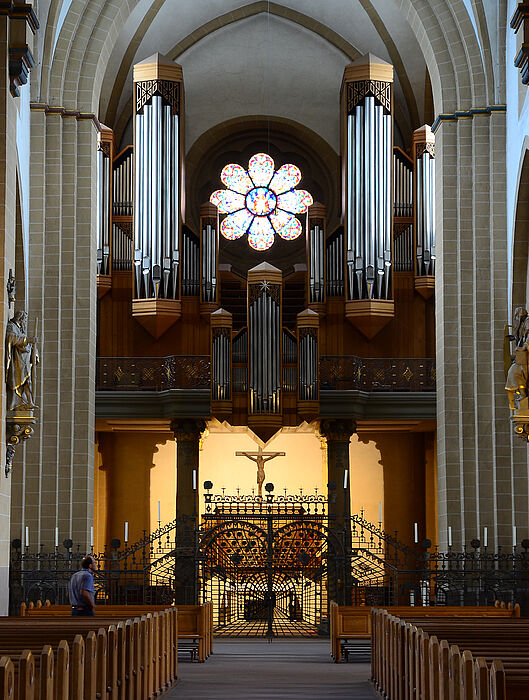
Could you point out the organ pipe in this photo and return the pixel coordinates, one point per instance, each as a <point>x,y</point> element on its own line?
<point>424,153</point>
<point>334,264</point>
<point>208,254</point>
<point>157,177</point>
<point>104,194</point>
<point>368,178</point>
<point>221,352</point>
<point>316,254</point>
<point>264,339</point>
<point>308,362</point>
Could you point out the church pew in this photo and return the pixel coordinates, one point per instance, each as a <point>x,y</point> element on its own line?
<point>352,622</point>
<point>195,622</point>
<point>410,663</point>
<point>137,658</point>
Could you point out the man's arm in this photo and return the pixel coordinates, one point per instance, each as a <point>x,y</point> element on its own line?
<point>86,593</point>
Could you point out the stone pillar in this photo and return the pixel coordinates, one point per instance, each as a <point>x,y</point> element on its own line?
<point>475,472</point>
<point>338,435</point>
<point>187,432</point>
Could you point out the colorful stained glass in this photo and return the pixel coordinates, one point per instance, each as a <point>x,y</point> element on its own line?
<point>295,201</point>
<point>235,225</point>
<point>261,169</point>
<point>261,201</point>
<point>292,230</point>
<point>227,201</point>
<point>236,178</point>
<point>286,178</point>
<point>261,233</point>
<point>263,204</point>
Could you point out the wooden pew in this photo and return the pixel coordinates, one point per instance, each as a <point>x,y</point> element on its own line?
<point>75,658</point>
<point>353,622</point>
<point>473,661</point>
<point>195,622</point>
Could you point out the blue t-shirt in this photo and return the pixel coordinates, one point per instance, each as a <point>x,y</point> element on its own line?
<point>80,581</point>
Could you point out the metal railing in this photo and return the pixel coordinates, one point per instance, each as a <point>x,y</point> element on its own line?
<point>153,373</point>
<point>377,374</point>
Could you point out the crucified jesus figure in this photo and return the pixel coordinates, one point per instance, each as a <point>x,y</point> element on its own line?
<point>260,458</point>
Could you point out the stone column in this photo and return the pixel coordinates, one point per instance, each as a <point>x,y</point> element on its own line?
<point>338,435</point>
<point>187,433</point>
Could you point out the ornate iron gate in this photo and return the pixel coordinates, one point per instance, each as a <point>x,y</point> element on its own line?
<point>268,564</point>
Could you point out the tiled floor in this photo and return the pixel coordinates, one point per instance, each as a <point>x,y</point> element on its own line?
<point>287,668</point>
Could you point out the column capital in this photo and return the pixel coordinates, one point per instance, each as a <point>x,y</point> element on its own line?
<point>339,430</point>
<point>188,429</point>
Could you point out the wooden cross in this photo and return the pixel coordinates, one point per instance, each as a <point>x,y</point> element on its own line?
<point>260,458</point>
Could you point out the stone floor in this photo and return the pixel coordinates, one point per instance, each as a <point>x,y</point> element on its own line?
<point>253,669</point>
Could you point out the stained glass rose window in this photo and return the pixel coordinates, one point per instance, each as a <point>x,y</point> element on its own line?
<point>261,201</point>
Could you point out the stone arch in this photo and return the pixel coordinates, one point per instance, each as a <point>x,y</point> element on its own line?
<point>520,248</point>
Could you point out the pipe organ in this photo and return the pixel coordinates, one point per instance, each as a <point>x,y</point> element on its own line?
<point>264,345</point>
<point>308,363</point>
<point>402,185</point>
<point>367,158</point>
<point>104,217</point>
<point>122,183</point>
<point>221,358</point>
<point>208,257</point>
<point>316,256</point>
<point>158,155</point>
<point>335,264</point>
<point>190,263</point>
<point>423,146</point>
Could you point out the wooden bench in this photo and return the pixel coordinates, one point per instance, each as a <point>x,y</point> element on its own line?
<point>353,622</point>
<point>87,657</point>
<point>419,658</point>
<point>195,622</point>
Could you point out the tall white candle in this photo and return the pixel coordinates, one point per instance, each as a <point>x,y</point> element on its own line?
<point>159,511</point>
<point>27,536</point>
<point>514,535</point>
<point>91,536</point>
<point>56,536</point>
<point>126,530</point>
<point>345,475</point>
<point>380,511</point>
<point>449,536</point>
<point>416,532</point>
<point>194,479</point>
<point>485,537</point>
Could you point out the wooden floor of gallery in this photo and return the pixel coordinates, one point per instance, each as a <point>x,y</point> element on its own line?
<point>255,670</point>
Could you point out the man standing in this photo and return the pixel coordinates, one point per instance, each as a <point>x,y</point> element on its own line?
<point>81,589</point>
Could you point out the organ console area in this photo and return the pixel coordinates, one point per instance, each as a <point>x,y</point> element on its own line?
<point>256,297</point>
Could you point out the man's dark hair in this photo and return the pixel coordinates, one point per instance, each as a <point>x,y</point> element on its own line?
<point>86,561</point>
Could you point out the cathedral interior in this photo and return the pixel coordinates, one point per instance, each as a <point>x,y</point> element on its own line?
<point>264,282</point>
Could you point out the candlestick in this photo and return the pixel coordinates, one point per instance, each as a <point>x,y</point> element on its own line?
<point>345,475</point>
<point>380,511</point>
<point>27,536</point>
<point>194,479</point>
<point>91,537</point>
<point>56,536</point>
<point>485,537</point>
<point>416,532</point>
<point>126,531</point>
<point>449,536</point>
<point>159,511</point>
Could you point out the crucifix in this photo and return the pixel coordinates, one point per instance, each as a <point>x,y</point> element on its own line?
<point>260,458</point>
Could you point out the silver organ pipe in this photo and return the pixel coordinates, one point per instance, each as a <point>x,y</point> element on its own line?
<point>308,364</point>
<point>264,351</point>
<point>424,149</point>
<point>316,254</point>
<point>402,184</point>
<point>190,263</point>
<point>368,216</point>
<point>103,206</point>
<point>122,247</point>
<point>334,261</point>
<point>156,181</point>
<point>220,368</point>
<point>208,226</point>
<point>403,248</point>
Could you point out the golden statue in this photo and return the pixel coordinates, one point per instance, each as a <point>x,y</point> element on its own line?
<point>21,358</point>
<point>517,374</point>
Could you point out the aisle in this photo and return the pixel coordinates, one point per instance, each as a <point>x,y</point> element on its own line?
<point>255,670</point>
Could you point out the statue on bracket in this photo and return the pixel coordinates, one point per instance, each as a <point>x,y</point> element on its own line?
<point>21,357</point>
<point>517,371</point>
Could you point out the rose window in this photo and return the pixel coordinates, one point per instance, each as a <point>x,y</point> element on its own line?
<point>261,202</point>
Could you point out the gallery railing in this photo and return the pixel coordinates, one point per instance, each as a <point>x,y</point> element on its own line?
<point>377,374</point>
<point>153,373</point>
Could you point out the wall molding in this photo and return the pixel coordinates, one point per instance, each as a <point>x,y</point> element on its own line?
<point>467,114</point>
<point>66,113</point>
